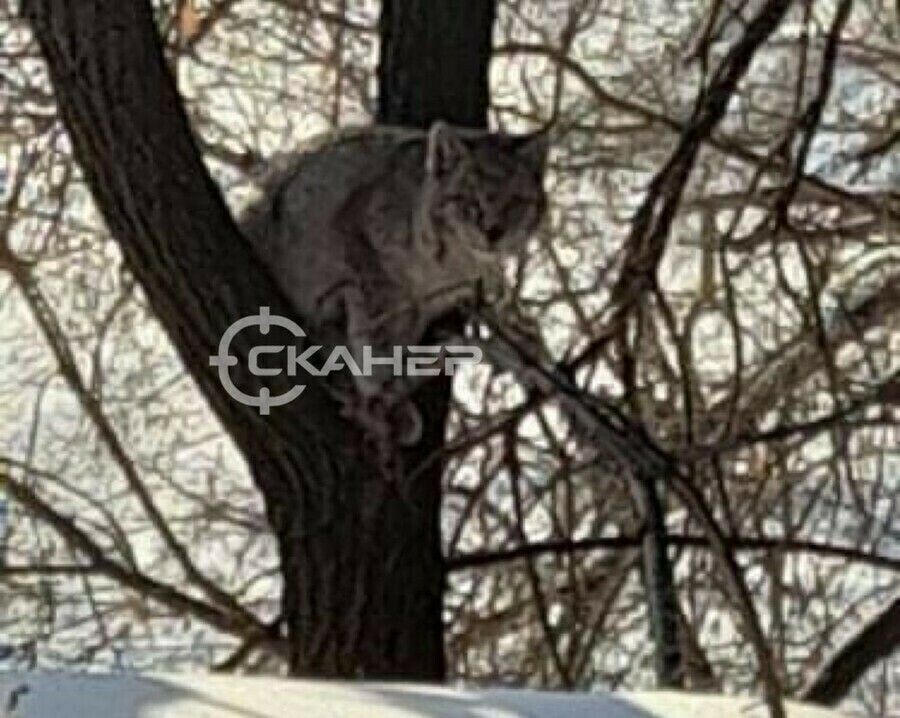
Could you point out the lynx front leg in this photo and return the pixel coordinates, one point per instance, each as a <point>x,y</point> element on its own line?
<point>377,403</point>
<point>359,338</point>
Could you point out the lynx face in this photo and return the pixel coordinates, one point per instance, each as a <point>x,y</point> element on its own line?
<point>485,191</point>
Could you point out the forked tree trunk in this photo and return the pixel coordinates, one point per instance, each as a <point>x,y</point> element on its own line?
<point>361,555</point>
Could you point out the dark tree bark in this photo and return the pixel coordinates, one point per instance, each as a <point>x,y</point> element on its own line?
<point>434,61</point>
<point>876,640</point>
<point>360,551</point>
<point>659,581</point>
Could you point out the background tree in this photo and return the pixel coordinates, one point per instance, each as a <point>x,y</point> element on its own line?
<point>762,361</point>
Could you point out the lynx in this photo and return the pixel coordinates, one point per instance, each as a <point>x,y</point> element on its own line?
<point>376,234</point>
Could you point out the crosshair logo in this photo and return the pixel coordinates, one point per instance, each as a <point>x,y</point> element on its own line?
<point>265,320</point>
<point>402,361</point>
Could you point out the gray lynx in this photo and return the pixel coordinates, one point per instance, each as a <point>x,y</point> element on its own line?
<point>381,231</point>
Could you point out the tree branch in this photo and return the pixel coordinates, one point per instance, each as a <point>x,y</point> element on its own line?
<point>874,641</point>
<point>464,562</point>
<point>235,623</point>
<point>604,424</point>
<point>645,244</point>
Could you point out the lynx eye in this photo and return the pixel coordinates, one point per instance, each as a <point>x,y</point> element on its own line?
<point>495,234</point>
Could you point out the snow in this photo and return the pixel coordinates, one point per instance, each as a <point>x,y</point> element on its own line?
<point>49,695</point>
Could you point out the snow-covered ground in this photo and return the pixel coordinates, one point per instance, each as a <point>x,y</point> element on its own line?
<point>160,696</point>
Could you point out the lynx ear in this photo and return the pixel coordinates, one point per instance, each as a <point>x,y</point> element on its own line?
<point>445,150</point>
<point>533,149</point>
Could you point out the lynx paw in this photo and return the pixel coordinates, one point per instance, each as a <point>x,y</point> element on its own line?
<point>389,420</point>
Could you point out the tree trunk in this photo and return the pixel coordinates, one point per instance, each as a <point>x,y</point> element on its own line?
<point>360,551</point>
<point>434,61</point>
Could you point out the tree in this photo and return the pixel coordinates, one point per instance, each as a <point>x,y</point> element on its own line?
<point>736,162</point>
<point>360,549</point>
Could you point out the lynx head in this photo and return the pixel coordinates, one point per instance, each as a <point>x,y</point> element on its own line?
<point>485,189</point>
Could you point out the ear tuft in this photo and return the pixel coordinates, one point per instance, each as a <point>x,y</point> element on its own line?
<point>445,150</point>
